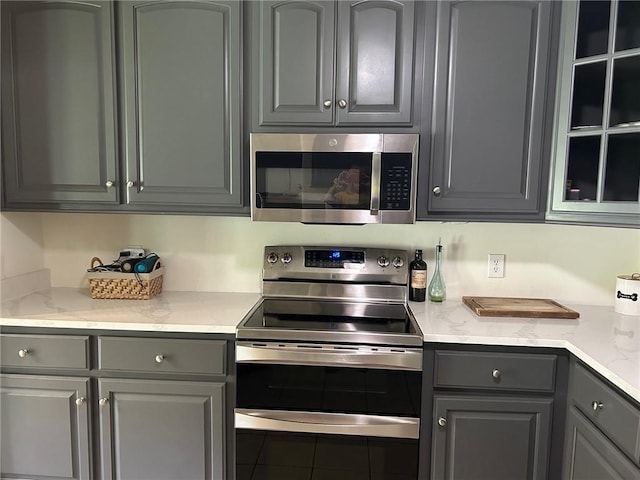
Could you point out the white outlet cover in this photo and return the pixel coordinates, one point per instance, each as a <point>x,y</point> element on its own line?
<point>496,265</point>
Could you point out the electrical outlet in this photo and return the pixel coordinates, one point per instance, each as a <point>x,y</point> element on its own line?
<point>496,265</point>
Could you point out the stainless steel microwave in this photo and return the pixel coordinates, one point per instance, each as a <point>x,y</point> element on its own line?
<point>334,178</point>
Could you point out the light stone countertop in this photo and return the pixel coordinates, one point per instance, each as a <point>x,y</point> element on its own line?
<point>606,341</point>
<point>187,312</point>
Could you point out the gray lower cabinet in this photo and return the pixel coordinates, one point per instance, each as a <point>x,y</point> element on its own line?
<point>333,62</point>
<point>494,414</point>
<point>58,103</point>
<point>113,407</point>
<point>490,438</point>
<point>492,112</point>
<point>590,455</point>
<point>602,440</point>
<point>161,430</point>
<point>44,427</point>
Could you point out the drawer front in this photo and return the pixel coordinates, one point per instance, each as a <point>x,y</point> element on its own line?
<point>160,355</point>
<point>45,351</point>
<point>609,411</point>
<point>495,371</point>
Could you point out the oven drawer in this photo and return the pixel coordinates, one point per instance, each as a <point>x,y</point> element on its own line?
<point>614,415</point>
<point>45,351</point>
<point>159,355</point>
<point>495,371</point>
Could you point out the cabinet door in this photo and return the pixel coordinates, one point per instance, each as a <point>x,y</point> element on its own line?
<point>596,176</point>
<point>45,427</point>
<point>161,430</point>
<point>490,438</point>
<point>58,130</point>
<point>490,94</point>
<point>295,71</point>
<point>375,57</point>
<point>589,455</point>
<point>181,96</point>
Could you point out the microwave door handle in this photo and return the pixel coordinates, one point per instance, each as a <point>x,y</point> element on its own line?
<point>376,167</point>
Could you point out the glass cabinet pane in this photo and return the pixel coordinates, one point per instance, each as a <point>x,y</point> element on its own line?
<point>625,97</point>
<point>582,168</point>
<point>588,95</point>
<point>593,28</point>
<point>622,175</point>
<point>628,27</point>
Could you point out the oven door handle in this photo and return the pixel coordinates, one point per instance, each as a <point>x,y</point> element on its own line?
<point>330,356</point>
<point>327,423</point>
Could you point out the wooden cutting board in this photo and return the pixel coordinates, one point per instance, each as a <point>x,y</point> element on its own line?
<point>518,307</point>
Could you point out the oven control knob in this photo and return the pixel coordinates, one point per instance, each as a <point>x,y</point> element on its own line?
<point>286,258</point>
<point>272,258</point>
<point>383,261</point>
<point>398,262</point>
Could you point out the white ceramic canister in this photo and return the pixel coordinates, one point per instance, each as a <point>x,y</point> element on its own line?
<point>628,294</point>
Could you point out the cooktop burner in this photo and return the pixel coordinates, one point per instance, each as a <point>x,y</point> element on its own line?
<point>330,321</point>
<point>333,294</point>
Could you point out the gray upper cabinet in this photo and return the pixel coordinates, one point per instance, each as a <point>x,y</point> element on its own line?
<point>596,175</point>
<point>181,103</point>
<point>490,112</point>
<point>333,63</point>
<point>173,144</point>
<point>58,124</point>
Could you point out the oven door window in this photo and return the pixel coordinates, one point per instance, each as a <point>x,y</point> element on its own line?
<point>313,180</point>
<point>366,391</point>
<point>292,456</point>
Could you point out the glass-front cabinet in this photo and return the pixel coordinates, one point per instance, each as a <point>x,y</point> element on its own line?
<point>596,178</point>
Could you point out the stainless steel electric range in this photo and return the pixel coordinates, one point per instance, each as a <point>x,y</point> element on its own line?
<point>329,368</point>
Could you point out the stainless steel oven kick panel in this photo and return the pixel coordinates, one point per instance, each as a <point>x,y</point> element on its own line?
<point>328,423</point>
<point>396,358</point>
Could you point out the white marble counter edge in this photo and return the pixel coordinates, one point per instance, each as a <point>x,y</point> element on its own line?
<point>427,338</point>
<point>124,326</point>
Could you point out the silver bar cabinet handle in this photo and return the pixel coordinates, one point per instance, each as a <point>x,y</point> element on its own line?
<point>376,168</point>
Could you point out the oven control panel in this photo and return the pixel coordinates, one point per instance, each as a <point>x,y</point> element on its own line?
<point>334,258</point>
<point>352,264</point>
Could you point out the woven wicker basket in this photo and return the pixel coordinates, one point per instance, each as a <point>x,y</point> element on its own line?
<point>126,286</point>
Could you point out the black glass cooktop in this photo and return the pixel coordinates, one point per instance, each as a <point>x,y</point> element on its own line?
<point>331,321</point>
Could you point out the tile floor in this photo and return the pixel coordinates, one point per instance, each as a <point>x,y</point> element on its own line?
<point>288,456</point>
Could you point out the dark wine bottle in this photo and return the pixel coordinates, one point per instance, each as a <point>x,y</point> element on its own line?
<point>418,278</point>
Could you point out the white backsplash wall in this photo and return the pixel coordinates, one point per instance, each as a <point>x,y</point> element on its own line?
<point>21,244</point>
<point>574,264</point>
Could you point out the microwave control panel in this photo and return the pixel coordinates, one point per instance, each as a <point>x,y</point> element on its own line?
<point>395,188</point>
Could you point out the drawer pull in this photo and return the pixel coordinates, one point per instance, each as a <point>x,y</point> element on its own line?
<point>596,405</point>
<point>80,401</point>
<point>159,358</point>
<point>103,401</point>
<point>22,353</point>
<point>497,374</point>
<point>442,422</point>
